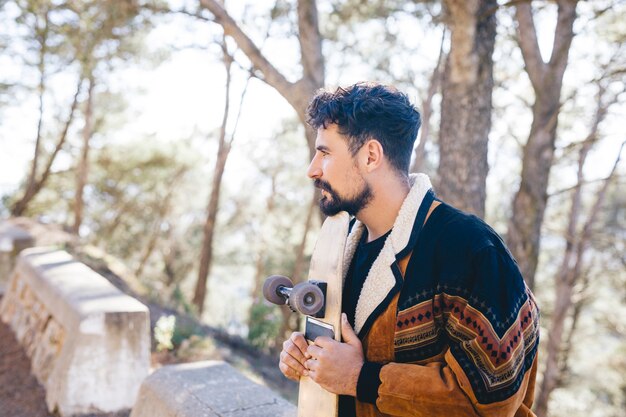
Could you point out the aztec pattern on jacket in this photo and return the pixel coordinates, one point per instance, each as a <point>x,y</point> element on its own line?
<point>462,292</point>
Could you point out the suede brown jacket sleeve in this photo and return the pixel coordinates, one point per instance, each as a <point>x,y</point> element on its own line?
<point>442,389</point>
<point>490,366</point>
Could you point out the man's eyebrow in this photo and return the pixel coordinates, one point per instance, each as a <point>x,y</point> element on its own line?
<point>322,148</point>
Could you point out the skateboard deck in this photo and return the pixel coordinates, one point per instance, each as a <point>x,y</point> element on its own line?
<point>319,300</point>
<point>326,266</point>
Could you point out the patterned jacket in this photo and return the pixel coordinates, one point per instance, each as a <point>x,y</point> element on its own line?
<point>448,326</point>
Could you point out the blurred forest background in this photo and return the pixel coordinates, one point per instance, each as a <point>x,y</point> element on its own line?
<point>170,136</point>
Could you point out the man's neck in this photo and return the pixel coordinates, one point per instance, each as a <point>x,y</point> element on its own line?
<point>382,211</point>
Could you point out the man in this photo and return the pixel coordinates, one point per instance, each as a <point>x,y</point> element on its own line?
<point>443,322</point>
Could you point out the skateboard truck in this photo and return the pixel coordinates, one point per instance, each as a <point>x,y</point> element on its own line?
<point>308,298</point>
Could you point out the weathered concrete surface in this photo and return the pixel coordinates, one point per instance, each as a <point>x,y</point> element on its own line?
<point>89,343</point>
<point>207,389</point>
<point>13,239</point>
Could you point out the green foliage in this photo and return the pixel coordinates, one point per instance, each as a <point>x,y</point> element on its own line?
<point>170,333</point>
<point>131,183</point>
<point>5,201</point>
<point>179,301</point>
<point>100,32</point>
<point>135,191</point>
<point>197,348</point>
<point>184,330</point>
<point>264,325</point>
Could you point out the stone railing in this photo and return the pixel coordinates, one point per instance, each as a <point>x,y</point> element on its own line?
<point>207,389</point>
<point>88,342</point>
<point>13,240</point>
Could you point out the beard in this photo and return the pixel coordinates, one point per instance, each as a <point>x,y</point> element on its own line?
<point>336,203</point>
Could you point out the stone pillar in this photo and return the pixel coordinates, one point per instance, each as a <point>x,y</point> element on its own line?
<point>13,240</point>
<point>207,389</point>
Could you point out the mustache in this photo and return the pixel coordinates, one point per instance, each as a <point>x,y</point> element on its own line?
<point>323,185</point>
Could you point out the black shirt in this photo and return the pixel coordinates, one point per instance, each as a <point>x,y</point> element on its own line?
<point>365,255</point>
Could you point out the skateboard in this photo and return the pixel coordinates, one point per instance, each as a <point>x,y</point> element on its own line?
<point>319,299</point>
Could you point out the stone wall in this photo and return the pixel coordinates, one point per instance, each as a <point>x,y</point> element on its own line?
<point>207,389</point>
<point>88,342</point>
<point>13,240</point>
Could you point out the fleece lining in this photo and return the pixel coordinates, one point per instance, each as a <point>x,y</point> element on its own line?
<point>380,279</point>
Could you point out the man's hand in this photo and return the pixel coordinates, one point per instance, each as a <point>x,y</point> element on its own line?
<point>293,357</point>
<point>336,366</point>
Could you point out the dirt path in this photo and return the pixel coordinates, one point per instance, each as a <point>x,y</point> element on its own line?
<point>20,393</point>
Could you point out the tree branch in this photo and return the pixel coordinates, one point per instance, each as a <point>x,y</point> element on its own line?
<point>593,214</point>
<point>310,42</point>
<point>563,34</point>
<point>527,39</point>
<point>270,73</point>
<point>568,189</point>
<point>238,117</point>
<point>63,135</point>
<point>166,10</point>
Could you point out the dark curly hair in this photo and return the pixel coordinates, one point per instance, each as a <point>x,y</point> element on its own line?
<point>367,111</point>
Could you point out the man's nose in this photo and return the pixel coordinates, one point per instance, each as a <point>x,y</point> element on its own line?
<point>314,170</point>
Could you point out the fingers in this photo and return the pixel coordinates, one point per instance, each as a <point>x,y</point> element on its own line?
<point>293,356</point>
<point>288,372</point>
<point>312,366</point>
<point>298,339</point>
<point>324,342</point>
<point>296,346</point>
<point>315,352</point>
<point>290,367</point>
<point>347,333</point>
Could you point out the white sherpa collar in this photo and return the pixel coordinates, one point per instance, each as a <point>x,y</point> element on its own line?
<point>380,279</point>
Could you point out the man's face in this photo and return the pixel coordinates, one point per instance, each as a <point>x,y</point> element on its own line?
<point>336,173</point>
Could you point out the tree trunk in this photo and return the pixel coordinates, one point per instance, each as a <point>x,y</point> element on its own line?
<point>41,90</point>
<point>566,280</point>
<point>82,170</point>
<point>563,295</point>
<point>579,302</point>
<point>224,147</point>
<point>571,265</point>
<point>419,160</point>
<point>563,302</point>
<point>529,203</point>
<point>21,205</point>
<point>206,254</point>
<point>466,104</point>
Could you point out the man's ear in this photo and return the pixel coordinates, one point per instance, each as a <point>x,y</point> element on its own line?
<point>373,155</point>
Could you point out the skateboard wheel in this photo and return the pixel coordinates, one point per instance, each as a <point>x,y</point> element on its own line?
<point>306,298</point>
<point>271,286</point>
